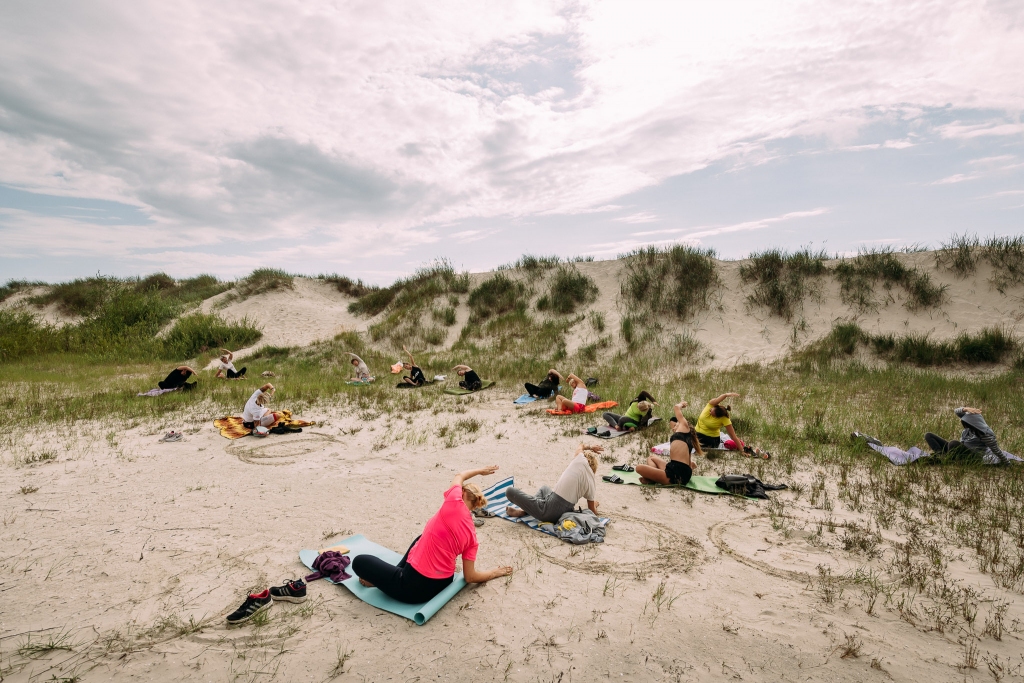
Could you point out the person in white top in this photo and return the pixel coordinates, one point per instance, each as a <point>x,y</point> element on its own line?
<point>226,369</point>
<point>256,411</point>
<point>362,370</point>
<point>578,402</point>
<point>578,481</point>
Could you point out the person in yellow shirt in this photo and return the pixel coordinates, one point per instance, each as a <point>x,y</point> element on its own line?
<point>712,420</point>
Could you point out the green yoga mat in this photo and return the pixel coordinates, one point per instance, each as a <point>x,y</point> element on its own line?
<point>359,545</point>
<point>459,391</point>
<point>702,484</point>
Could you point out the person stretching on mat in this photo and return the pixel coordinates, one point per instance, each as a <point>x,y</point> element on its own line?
<point>580,394</point>
<point>546,387</point>
<point>470,380</point>
<point>362,370</point>
<point>577,481</point>
<point>255,413</point>
<point>415,377</point>
<point>178,378</point>
<point>428,566</point>
<point>712,419</point>
<point>678,469</point>
<point>226,369</point>
<point>637,415</point>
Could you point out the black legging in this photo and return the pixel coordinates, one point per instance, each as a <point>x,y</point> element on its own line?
<point>402,582</point>
<point>538,391</point>
<point>232,374</point>
<point>176,379</point>
<point>940,446</point>
<point>618,421</point>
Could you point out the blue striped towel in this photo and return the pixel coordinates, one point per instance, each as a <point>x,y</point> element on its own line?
<point>497,501</point>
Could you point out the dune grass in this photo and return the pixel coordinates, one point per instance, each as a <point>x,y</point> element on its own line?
<point>781,279</point>
<point>858,276</point>
<point>12,287</point>
<point>348,286</point>
<point>961,254</point>
<point>568,290</point>
<point>677,281</point>
<point>496,295</point>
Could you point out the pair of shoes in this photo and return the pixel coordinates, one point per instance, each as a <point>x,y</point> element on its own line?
<point>171,436</point>
<point>291,591</point>
<point>869,439</point>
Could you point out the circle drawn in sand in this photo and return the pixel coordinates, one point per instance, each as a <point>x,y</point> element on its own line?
<point>758,525</point>
<point>646,546</point>
<point>273,451</point>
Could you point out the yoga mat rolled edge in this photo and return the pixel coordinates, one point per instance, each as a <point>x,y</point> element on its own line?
<point>359,545</point>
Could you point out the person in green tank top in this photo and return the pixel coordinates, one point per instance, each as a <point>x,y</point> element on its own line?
<point>638,414</point>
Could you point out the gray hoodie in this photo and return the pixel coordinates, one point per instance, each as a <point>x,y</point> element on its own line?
<point>978,436</point>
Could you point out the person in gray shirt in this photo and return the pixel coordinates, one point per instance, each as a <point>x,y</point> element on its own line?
<point>977,439</point>
<point>578,481</point>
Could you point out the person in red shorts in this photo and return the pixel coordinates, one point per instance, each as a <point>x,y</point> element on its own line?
<point>578,402</point>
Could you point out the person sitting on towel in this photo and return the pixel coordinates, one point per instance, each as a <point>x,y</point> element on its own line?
<point>577,481</point>
<point>178,378</point>
<point>428,566</point>
<point>678,469</point>
<point>976,441</point>
<point>226,369</point>
<point>546,387</point>
<point>712,419</point>
<point>580,394</point>
<point>470,380</point>
<point>256,413</point>
<point>415,377</point>
<point>362,370</point>
<point>637,415</point>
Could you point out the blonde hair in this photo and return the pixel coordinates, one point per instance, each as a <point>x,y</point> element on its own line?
<point>591,458</point>
<point>264,397</point>
<point>644,406</point>
<point>474,491</point>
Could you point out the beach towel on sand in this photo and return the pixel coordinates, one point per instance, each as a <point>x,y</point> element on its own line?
<point>606,432</point>
<point>403,385</point>
<point>358,545</point>
<point>157,391</point>
<point>459,391</point>
<point>592,408</point>
<point>231,427</point>
<point>701,484</point>
<point>497,501</point>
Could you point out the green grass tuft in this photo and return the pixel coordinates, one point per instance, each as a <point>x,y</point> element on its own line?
<point>495,296</point>
<point>677,281</point>
<point>14,286</point>
<point>859,275</point>
<point>781,279</point>
<point>348,286</point>
<point>569,289</point>
<point>264,280</point>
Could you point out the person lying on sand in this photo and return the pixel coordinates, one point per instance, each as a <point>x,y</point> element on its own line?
<point>428,566</point>
<point>977,439</point>
<point>580,394</point>
<point>678,469</point>
<point>546,387</point>
<point>226,369</point>
<point>415,377</point>
<point>470,380</point>
<point>712,419</point>
<point>255,413</point>
<point>639,413</point>
<point>362,370</point>
<point>577,481</point>
<point>178,378</point>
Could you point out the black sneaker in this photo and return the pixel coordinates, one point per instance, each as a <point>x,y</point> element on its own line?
<point>253,605</point>
<point>291,591</point>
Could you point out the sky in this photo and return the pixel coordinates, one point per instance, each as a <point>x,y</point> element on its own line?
<point>369,139</point>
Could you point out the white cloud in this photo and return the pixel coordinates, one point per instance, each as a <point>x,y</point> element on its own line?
<point>955,178</point>
<point>640,217</point>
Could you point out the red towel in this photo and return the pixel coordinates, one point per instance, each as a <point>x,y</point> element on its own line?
<point>592,408</point>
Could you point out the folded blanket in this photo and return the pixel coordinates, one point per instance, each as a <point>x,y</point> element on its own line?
<point>157,391</point>
<point>592,408</point>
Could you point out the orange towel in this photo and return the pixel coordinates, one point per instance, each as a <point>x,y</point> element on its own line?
<point>232,428</point>
<point>592,408</point>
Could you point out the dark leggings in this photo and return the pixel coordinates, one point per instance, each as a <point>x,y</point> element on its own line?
<point>709,441</point>
<point>402,582</point>
<point>232,374</point>
<point>539,392</point>
<point>619,422</point>
<point>940,446</point>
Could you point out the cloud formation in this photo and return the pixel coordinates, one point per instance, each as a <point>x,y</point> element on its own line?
<point>371,129</point>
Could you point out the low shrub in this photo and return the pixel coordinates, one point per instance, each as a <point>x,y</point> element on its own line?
<point>781,279</point>
<point>78,297</point>
<point>264,280</point>
<point>677,281</point>
<point>569,289</point>
<point>858,276</point>
<point>414,292</point>
<point>14,286</point>
<point>496,295</point>
<point>193,334</point>
<point>990,345</point>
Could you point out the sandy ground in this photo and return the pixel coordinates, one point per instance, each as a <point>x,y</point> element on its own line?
<point>125,535</point>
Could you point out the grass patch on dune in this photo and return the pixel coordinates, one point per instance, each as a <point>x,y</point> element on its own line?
<point>568,290</point>
<point>348,286</point>
<point>677,281</point>
<point>14,286</point>
<point>263,280</point>
<point>496,295</point>
<point>781,279</point>
<point>961,254</point>
<point>859,275</point>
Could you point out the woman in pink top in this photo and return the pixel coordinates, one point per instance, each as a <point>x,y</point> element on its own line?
<point>429,564</point>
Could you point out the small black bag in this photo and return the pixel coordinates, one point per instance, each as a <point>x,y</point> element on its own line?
<point>737,484</point>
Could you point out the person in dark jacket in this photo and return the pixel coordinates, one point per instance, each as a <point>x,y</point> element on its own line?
<point>547,387</point>
<point>977,438</point>
<point>470,380</point>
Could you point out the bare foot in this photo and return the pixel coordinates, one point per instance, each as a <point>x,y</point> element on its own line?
<point>513,512</point>
<point>366,583</point>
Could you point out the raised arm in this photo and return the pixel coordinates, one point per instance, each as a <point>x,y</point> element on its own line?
<point>680,418</point>
<point>184,368</point>
<point>462,368</point>
<point>578,380</point>
<point>230,355</point>
<point>556,373</point>
<point>644,396</point>
<point>412,361</point>
<point>716,401</point>
<point>267,387</point>
<point>469,474</point>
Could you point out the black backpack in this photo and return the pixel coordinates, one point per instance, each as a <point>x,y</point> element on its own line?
<point>747,485</point>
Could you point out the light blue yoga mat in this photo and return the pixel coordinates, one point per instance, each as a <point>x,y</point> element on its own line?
<point>497,501</point>
<point>524,399</point>
<point>358,545</point>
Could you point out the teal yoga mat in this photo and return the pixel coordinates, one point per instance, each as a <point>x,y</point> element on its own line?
<point>459,391</point>
<point>702,484</point>
<point>359,545</point>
